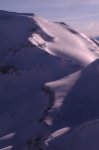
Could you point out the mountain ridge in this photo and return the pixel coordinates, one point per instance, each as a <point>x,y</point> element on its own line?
<point>41,62</point>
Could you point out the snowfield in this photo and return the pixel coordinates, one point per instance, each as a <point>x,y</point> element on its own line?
<point>49,85</point>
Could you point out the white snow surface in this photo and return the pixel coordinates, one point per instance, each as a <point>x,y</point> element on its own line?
<point>48,82</point>
<point>74,47</point>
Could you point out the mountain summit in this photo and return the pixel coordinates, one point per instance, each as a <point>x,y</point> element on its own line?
<point>47,73</point>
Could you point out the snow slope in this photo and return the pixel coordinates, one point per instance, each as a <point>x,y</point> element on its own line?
<point>62,46</point>
<point>80,105</point>
<point>84,137</point>
<point>43,67</point>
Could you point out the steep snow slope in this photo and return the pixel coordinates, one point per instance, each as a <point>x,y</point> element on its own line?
<point>75,46</point>
<point>80,105</point>
<point>84,137</point>
<point>39,57</point>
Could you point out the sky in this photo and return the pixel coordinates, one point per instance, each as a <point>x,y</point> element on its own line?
<point>83,15</point>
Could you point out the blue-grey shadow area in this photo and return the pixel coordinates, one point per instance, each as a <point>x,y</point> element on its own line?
<point>82,102</point>
<point>24,69</point>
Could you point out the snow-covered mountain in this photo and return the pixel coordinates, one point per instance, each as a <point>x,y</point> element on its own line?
<point>48,83</point>
<point>95,39</point>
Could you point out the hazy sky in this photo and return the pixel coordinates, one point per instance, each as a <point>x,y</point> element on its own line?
<point>82,14</point>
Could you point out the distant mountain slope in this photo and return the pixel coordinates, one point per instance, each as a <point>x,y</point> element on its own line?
<point>95,39</point>
<point>40,64</point>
